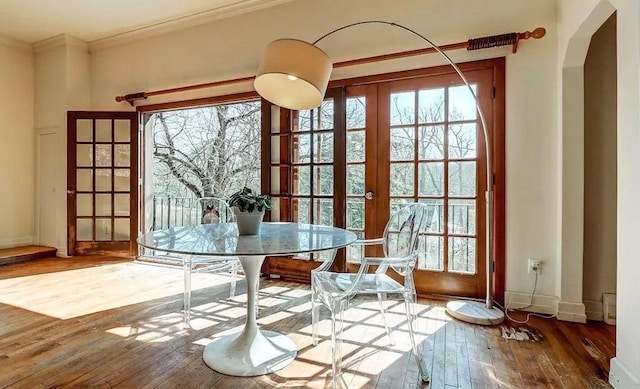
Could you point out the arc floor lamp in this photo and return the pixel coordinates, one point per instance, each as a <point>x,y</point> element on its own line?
<point>294,74</point>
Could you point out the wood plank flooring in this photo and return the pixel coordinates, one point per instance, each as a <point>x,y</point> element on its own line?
<point>99,322</point>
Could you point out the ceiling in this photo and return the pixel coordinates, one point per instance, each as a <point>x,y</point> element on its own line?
<point>33,21</point>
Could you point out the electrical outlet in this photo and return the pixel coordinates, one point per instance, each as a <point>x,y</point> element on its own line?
<point>534,265</point>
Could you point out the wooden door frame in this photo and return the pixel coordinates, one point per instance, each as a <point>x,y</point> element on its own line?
<point>118,248</point>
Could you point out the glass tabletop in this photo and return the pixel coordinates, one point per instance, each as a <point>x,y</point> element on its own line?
<point>222,239</point>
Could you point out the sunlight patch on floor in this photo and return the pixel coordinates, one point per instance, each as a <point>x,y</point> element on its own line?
<point>74,293</point>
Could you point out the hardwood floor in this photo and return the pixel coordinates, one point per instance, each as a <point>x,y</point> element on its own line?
<point>104,322</point>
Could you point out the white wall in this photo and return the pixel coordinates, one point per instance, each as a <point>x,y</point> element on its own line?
<point>62,84</point>
<point>17,171</point>
<point>625,368</point>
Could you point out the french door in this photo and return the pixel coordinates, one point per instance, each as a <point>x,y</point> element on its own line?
<point>380,142</point>
<point>102,182</point>
<point>420,140</point>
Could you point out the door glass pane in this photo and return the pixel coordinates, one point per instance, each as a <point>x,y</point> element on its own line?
<point>276,142</point>
<point>462,255</point>
<point>121,229</point>
<point>275,209</point>
<point>84,130</point>
<point>84,155</point>
<point>122,180</point>
<point>122,205</point>
<point>302,148</point>
<point>103,180</point>
<point>103,229</point>
<point>402,108</point>
<point>103,155</point>
<point>323,147</point>
<point>355,180</point>
<point>123,155</point>
<point>84,204</point>
<point>84,229</point>
<point>431,253</point>
<point>462,217</point>
<point>356,112</point>
<point>394,207</point>
<point>355,253</point>
<point>431,178</point>
<point>323,180</point>
<point>462,141</point>
<point>402,144</point>
<point>431,105</point>
<point>275,179</point>
<point>355,214</point>
<point>431,142</point>
<point>84,180</point>
<point>103,130</point>
<point>323,212</point>
<point>462,105</point>
<point>435,215</point>
<point>301,210</point>
<point>122,131</point>
<point>462,178</point>
<point>326,114</point>
<point>103,204</point>
<point>304,121</point>
<point>356,146</point>
<point>401,179</point>
<point>301,180</point>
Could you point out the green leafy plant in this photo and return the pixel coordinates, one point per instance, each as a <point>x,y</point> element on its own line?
<point>248,201</point>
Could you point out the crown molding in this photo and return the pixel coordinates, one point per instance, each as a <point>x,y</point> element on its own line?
<point>225,11</point>
<point>16,44</point>
<point>62,40</point>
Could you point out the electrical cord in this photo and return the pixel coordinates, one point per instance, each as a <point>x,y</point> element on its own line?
<point>533,292</point>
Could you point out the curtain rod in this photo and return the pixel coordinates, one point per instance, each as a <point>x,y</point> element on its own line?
<point>487,42</point>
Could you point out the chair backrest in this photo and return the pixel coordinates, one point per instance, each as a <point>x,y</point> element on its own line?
<point>215,210</point>
<point>402,233</point>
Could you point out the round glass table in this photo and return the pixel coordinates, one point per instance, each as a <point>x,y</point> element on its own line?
<point>250,351</point>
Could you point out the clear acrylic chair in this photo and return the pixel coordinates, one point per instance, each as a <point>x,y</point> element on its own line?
<point>213,210</point>
<point>335,290</point>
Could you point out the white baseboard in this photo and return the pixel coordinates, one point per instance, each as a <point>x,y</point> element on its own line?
<point>16,242</point>
<point>570,311</point>
<point>593,310</point>
<point>621,378</point>
<point>546,305</point>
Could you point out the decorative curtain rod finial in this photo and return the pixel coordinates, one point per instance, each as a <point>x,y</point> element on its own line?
<point>535,34</point>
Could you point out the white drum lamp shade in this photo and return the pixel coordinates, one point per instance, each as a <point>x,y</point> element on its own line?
<point>293,74</point>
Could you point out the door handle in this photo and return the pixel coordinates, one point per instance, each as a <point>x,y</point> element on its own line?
<point>71,192</point>
<point>369,195</point>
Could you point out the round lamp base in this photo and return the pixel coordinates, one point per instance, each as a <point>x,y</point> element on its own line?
<point>474,312</point>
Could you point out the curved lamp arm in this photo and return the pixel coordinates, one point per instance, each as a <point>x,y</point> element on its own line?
<point>294,74</point>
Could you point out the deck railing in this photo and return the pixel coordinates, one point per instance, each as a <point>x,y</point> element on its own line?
<point>175,212</point>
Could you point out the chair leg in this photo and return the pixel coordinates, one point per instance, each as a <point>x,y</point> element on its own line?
<point>188,267</point>
<point>424,374</point>
<point>382,297</point>
<point>336,340</point>
<point>315,312</point>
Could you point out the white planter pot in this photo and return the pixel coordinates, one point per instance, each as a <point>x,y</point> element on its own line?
<point>248,222</point>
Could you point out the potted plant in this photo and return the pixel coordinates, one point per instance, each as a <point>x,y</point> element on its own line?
<point>249,208</point>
